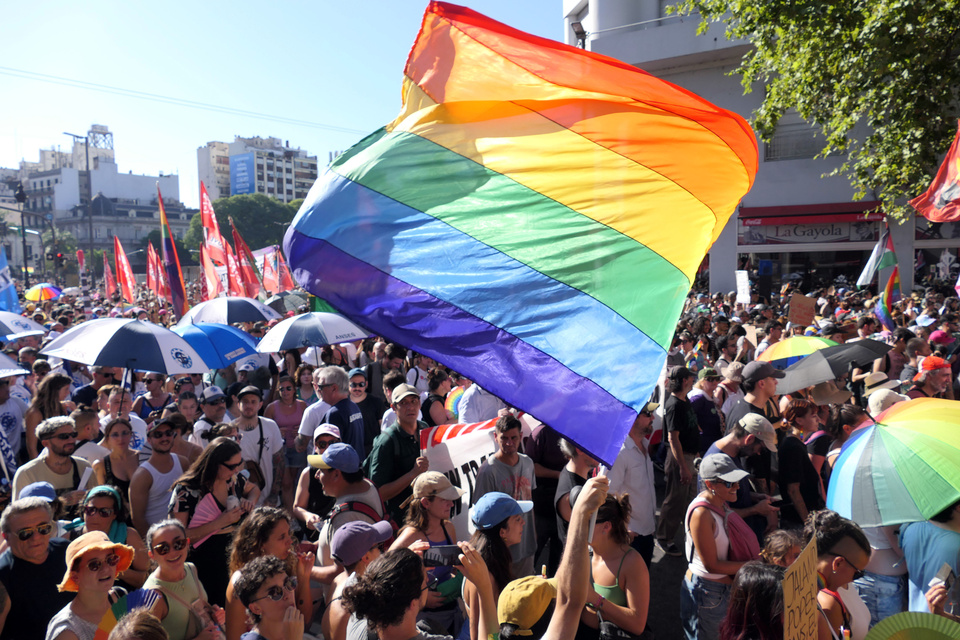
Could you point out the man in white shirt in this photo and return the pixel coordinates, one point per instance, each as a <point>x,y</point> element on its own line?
<point>12,410</point>
<point>261,442</point>
<point>417,376</point>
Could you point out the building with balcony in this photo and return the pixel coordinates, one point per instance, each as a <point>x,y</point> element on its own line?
<point>256,165</point>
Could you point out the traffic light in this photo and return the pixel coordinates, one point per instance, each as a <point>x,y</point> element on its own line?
<point>61,260</point>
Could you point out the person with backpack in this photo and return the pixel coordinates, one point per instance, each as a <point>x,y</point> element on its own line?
<point>355,499</point>
<point>718,543</point>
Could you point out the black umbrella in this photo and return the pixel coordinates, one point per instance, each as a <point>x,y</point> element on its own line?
<point>287,301</point>
<point>830,364</point>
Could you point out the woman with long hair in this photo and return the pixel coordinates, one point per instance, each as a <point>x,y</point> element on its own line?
<point>266,532</point>
<point>117,468</point>
<point>498,519</point>
<point>214,480</point>
<point>177,582</point>
<point>93,562</point>
<point>799,481</point>
<point>304,382</point>
<point>843,553</point>
<point>756,604</point>
<point>434,408</point>
<point>287,412</point>
<point>50,401</point>
<point>620,580</point>
<point>428,523</point>
<point>393,590</point>
<point>103,510</point>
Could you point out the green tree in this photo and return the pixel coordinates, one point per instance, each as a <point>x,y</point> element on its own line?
<point>880,77</point>
<point>260,220</point>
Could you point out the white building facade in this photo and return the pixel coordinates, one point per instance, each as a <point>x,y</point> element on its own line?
<point>256,165</point>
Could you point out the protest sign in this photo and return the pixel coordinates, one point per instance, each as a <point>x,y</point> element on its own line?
<point>800,596</point>
<point>802,309</point>
<point>743,287</point>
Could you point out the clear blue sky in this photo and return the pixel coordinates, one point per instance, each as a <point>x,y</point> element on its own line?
<point>337,64</point>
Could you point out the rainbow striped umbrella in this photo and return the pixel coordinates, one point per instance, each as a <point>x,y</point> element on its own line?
<point>905,468</point>
<point>786,352</point>
<point>42,291</point>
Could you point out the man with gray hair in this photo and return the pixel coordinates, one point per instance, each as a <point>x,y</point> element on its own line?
<point>59,466</point>
<point>333,388</point>
<point>30,569</point>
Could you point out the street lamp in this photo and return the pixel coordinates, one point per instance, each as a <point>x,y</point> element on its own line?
<point>86,147</point>
<point>580,33</point>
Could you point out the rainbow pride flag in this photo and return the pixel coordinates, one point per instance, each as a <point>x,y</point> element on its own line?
<point>533,219</point>
<point>889,295</point>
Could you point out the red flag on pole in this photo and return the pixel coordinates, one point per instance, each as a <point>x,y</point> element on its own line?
<point>941,201</point>
<point>286,280</point>
<point>234,277</point>
<point>128,284</point>
<point>216,246</point>
<point>81,260</point>
<point>171,264</point>
<point>108,282</point>
<point>153,273</point>
<point>248,267</point>
<point>271,278</point>
<point>210,280</point>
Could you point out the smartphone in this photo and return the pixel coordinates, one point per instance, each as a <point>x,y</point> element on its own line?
<point>945,576</point>
<point>444,555</point>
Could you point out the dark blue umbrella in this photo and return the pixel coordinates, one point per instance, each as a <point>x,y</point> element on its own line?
<point>218,344</point>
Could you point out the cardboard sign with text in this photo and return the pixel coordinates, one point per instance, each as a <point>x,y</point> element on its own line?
<point>800,596</point>
<point>802,309</point>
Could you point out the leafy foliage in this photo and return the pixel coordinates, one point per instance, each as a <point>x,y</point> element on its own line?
<point>261,220</point>
<point>880,77</point>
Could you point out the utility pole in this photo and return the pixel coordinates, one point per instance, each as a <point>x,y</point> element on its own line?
<point>20,196</point>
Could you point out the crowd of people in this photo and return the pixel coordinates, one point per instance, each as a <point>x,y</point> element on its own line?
<point>287,495</point>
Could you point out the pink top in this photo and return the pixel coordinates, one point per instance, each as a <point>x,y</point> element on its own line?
<point>288,419</point>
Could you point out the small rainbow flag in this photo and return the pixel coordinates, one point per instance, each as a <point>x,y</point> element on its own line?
<point>890,295</point>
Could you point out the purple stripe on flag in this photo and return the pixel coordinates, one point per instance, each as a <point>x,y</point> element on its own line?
<point>497,360</point>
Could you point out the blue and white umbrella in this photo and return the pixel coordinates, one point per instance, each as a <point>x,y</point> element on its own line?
<point>228,310</point>
<point>311,330</point>
<point>14,326</point>
<point>129,343</point>
<point>218,344</point>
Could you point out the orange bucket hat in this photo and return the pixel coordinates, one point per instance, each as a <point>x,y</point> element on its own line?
<point>93,541</point>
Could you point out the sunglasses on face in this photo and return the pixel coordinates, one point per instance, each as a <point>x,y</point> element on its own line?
<point>44,529</point>
<point>163,548</point>
<point>66,436</point>
<point>857,573</point>
<point>358,385</point>
<point>120,434</point>
<point>233,467</point>
<point>96,564</point>
<point>275,593</point>
<point>323,386</point>
<point>217,401</point>
<point>286,388</point>
<point>105,512</point>
<point>167,433</point>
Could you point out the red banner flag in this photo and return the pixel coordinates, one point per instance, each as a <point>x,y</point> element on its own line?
<point>152,275</point>
<point>171,264</point>
<point>81,260</point>
<point>248,266</point>
<point>941,201</point>
<point>271,277</point>
<point>128,284</point>
<point>210,280</point>
<point>108,282</point>
<point>286,280</point>
<point>234,278</point>
<point>216,246</point>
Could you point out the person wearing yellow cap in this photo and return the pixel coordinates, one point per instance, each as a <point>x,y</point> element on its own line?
<point>93,563</point>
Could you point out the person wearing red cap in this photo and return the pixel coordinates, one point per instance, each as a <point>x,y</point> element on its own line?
<point>933,379</point>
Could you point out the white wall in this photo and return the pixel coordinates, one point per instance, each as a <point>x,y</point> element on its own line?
<point>109,182</point>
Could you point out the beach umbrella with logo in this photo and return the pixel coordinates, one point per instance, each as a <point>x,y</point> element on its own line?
<point>14,326</point>
<point>129,343</point>
<point>314,329</point>
<point>218,344</point>
<point>229,310</point>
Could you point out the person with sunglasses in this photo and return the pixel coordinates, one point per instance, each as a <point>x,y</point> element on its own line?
<point>311,505</point>
<point>216,474</point>
<point>155,399</point>
<point>213,407</point>
<point>287,412</point>
<point>152,483</point>
<point>371,407</point>
<point>178,584</point>
<point>30,569</point>
<point>843,554</point>
<point>267,592</point>
<point>59,467</point>
<point>632,473</point>
<point>93,563</point>
<point>102,510</point>
<point>709,540</point>
<point>117,468</point>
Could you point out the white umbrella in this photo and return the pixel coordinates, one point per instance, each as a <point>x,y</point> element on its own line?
<point>311,330</point>
<point>228,310</point>
<point>14,326</point>
<point>10,367</point>
<point>129,343</point>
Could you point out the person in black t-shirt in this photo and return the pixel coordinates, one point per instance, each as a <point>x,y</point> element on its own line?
<point>799,480</point>
<point>574,474</point>
<point>683,438</point>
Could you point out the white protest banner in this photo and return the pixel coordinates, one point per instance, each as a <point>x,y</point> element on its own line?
<point>743,287</point>
<point>457,451</point>
<point>800,596</point>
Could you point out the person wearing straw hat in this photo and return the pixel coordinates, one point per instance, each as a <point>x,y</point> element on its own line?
<point>93,563</point>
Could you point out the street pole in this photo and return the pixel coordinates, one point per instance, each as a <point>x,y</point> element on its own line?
<point>20,196</point>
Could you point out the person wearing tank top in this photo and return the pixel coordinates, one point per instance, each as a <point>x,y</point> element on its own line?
<point>151,484</point>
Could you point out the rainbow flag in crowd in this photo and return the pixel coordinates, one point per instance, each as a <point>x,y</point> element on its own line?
<point>171,264</point>
<point>890,295</point>
<point>533,218</point>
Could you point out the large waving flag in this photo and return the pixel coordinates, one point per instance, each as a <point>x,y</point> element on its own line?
<point>941,201</point>
<point>249,273</point>
<point>216,247</point>
<point>881,257</point>
<point>533,209</point>
<point>171,264</point>
<point>125,278</point>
